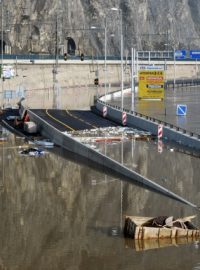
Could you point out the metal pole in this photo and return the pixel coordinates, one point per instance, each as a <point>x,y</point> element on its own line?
<point>174,68</point>
<point>55,70</point>
<point>122,71</point>
<point>105,60</point>
<point>132,79</point>
<point>2,90</point>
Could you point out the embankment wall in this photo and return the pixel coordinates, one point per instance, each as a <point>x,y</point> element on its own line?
<point>75,81</point>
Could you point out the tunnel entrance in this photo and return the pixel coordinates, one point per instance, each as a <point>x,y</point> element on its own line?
<point>71,46</point>
<point>4,45</point>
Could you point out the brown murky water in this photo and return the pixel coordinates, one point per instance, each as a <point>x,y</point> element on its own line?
<point>58,213</point>
<point>166,110</point>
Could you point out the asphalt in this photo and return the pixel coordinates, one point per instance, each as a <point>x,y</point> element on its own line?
<point>65,120</point>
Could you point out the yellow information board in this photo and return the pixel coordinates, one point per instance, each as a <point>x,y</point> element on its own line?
<point>151,84</point>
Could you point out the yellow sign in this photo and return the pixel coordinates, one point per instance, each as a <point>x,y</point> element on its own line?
<point>151,84</point>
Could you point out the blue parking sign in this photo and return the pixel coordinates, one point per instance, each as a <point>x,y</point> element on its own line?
<point>181,109</point>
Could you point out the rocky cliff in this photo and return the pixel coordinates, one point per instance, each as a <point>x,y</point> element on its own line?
<point>43,25</point>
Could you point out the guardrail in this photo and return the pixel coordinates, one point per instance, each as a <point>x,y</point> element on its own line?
<point>182,82</point>
<point>154,120</point>
<point>163,57</point>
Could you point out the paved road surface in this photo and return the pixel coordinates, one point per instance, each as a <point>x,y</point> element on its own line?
<point>74,120</point>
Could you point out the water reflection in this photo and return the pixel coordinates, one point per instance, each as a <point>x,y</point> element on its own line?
<point>166,110</point>
<point>53,216</point>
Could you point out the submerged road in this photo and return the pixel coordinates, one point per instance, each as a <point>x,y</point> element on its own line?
<point>65,120</point>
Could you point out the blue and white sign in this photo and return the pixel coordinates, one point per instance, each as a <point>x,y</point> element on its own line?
<point>195,54</point>
<point>9,94</point>
<point>151,67</point>
<point>181,109</point>
<point>180,54</point>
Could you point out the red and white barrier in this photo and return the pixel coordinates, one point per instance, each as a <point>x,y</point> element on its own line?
<point>160,131</point>
<point>124,118</point>
<point>105,111</point>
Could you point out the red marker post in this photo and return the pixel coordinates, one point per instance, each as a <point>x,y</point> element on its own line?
<point>124,118</point>
<point>105,111</point>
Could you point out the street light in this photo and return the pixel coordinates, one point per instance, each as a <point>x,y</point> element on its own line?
<point>105,56</point>
<point>1,2</point>
<point>122,72</point>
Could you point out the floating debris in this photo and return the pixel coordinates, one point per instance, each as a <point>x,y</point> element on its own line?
<point>159,227</point>
<point>32,152</point>
<point>109,135</point>
<point>45,142</point>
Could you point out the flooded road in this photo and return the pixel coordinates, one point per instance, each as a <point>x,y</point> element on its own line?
<point>166,110</point>
<point>58,212</point>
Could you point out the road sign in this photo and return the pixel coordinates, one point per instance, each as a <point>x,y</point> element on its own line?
<point>180,54</point>
<point>105,111</point>
<point>151,67</point>
<point>160,131</point>
<point>195,54</point>
<point>9,94</point>
<point>151,84</point>
<point>124,118</point>
<point>181,109</point>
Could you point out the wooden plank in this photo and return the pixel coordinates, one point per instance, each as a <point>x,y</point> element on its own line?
<point>174,232</point>
<point>150,233</point>
<point>190,233</point>
<point>139,221</point>
<point>181,232</point>
<point>165,233</point>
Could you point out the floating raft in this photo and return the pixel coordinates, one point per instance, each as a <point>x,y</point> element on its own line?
<point>159,227</point>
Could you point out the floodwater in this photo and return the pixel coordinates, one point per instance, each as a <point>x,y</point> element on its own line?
<point>166,110</point>
<point>58,212</point>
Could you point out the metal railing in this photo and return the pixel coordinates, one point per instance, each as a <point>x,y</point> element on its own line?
<point>154,120</point>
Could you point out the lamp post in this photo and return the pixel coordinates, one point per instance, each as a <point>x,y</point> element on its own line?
<point>122,71</point>
<point>174,68</point>
<point>1,2</point>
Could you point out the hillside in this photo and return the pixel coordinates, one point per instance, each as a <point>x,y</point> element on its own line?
<point>37,26</point>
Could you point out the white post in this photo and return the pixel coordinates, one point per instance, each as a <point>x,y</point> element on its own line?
<point>122,75</point>
<point>132,79</point>
<point>174,68</point>
<point>122,69</point>
<point>2,90</point>
<point>105,60</point>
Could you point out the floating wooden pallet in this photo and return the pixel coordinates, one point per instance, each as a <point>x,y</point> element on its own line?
<point>142,228</point>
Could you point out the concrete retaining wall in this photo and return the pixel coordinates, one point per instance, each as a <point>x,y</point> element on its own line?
<point>147,123</point>
<point>75,80</point>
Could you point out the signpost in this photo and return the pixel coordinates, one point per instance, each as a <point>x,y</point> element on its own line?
<point>151,83</point>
